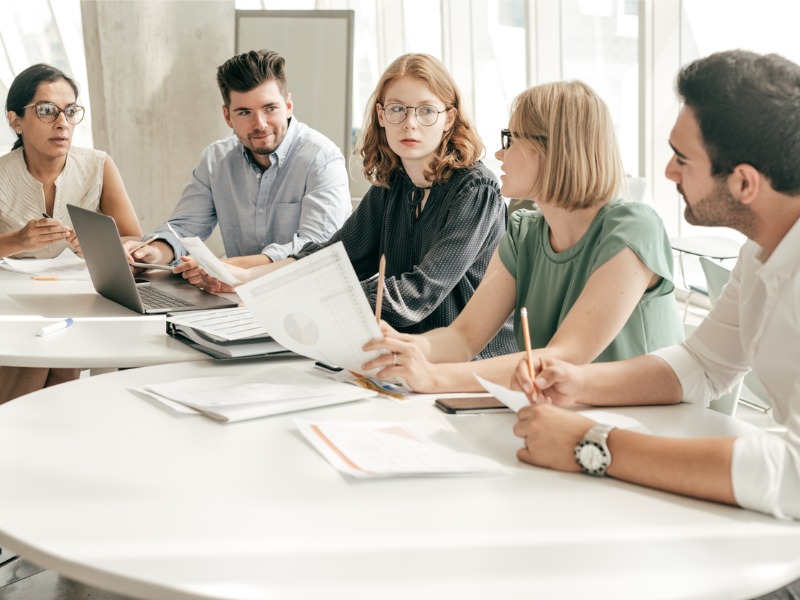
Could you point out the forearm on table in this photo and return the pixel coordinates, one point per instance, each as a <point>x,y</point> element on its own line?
<point>700,468</point>
<point>460,377</point>
<point>640,380</point>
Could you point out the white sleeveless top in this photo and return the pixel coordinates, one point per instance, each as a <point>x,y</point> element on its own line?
<point>22,196</point>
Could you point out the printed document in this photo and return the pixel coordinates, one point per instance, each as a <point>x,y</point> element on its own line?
<point>206,258</point>
<point>223,324</point>
<point>370,449</point>
<point>66,264</point>
<point>255,394</point>
<point>315,307</point>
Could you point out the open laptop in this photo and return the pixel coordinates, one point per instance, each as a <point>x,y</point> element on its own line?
<point>111,275</point>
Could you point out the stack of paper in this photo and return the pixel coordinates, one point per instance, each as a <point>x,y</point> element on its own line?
<point>66,265</point>
<point>223,333</point>
<point>254,394</point>
<point>369,449</point>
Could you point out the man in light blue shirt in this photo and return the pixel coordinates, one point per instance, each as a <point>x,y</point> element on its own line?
<point>274,186</point>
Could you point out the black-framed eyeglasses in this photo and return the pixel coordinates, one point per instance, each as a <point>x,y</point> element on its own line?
<point>425,114</point>
<point>505,138</point>
<point>49,112</point>
<point>506,135</point>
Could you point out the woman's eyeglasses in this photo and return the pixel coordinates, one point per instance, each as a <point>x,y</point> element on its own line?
<point>505,139</point>
<point>49,112</point>
<point>506,135</point>
<point>425,114</point>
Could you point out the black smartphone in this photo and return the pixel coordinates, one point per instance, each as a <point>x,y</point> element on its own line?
<point>471,405</point>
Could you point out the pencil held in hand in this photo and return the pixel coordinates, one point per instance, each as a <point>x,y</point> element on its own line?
<point>379,298</point>
<point>528,354</point>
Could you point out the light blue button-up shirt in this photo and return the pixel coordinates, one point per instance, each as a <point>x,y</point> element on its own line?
<point>302,197</point>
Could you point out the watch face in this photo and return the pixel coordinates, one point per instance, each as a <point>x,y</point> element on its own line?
<point>592,458</point>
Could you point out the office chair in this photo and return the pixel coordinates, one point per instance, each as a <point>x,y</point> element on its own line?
<point>709,246</point>
<point>751,392</point>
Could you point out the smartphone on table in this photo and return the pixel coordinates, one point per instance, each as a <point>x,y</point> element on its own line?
<point>471,405</point>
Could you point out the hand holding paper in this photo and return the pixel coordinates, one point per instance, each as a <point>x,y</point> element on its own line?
<point>206,259</point>
<point>315,307</point>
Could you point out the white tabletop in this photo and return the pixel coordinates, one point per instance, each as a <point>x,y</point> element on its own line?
<point>105,334</point>
<point>110,489</point>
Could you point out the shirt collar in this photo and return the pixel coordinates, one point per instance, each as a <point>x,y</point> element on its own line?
<point>783,259</point>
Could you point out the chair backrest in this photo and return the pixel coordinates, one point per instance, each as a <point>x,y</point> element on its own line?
<point>717,276</point>
<point>727,403</point>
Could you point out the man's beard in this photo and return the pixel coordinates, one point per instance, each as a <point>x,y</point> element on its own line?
<point>718,209</point>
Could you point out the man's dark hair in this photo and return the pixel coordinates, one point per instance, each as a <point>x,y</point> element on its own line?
<point>24,87</point>
<point>748,108</point>
<point>247,71</point>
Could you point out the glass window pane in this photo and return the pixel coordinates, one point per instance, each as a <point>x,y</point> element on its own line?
<point>600,47</point>
<point>705,30</point>
<point>31,35</point>
<point>499,67</point>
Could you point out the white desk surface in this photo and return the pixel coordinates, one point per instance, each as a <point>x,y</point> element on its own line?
<point>110,489</point>
<point>105,334</point>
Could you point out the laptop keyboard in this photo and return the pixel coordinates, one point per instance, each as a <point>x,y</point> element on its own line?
<point>154,298</point>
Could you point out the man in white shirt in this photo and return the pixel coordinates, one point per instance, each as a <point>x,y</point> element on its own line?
<point>736,163</point>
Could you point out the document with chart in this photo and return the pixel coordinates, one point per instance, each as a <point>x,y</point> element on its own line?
<point>316,308</point>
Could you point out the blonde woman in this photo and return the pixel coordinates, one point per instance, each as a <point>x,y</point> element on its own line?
<point>594,272</point>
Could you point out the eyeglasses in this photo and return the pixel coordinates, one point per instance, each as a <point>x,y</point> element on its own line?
<point>506,135</point>
<point>505,139</point>
<point>49,112</point>
<point>425,114</point>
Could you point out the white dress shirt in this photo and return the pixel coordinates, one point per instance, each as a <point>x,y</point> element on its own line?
<point>755,325</point>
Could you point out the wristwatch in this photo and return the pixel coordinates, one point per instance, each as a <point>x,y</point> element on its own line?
<point>591,453</point>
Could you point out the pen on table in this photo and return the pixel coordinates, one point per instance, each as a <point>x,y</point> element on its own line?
<point>379,298</point>
<point>57,277</point>
<point>52,328</point>
<point>152,238</point>
<point>528,354</point>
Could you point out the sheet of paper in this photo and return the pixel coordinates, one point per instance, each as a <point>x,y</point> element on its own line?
<point>513,399</point>
<point>516,400</point>
<point>256,394</point>
<point>225,324</point>
<point>266,385</point>
<point>66,264</point>
<point>315,307</point>
<point>369,449</point>
<point>206,258</point>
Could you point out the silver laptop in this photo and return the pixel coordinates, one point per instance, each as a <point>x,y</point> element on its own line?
<point>111,275</point>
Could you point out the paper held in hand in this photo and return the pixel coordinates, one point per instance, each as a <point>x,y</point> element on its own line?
<point>206,259</point>
<point>315,307</point>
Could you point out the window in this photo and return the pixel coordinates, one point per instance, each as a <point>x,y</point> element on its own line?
<point>39,31</point>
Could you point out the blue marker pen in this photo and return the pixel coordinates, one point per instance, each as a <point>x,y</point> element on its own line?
<point>52,328</point>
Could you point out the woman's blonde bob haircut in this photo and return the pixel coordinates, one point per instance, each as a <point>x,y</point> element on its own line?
<point>460,146</point>
<point>568,124</point>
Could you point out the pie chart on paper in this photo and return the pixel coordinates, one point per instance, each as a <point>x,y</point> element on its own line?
<point>301,328</point>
